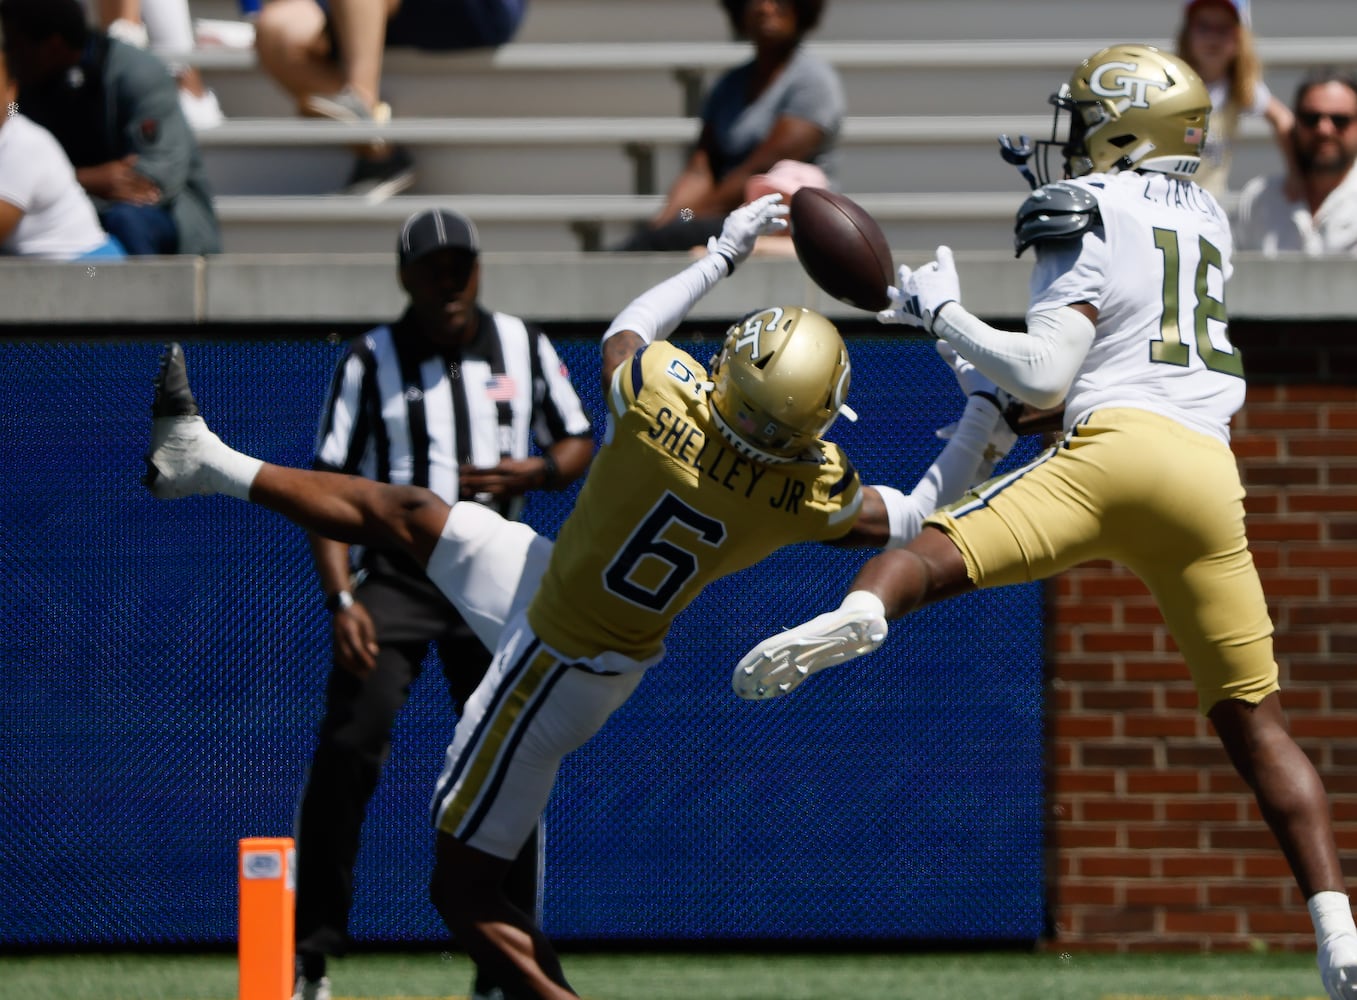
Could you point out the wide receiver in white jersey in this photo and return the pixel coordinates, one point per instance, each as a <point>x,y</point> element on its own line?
<point>1127,329</point>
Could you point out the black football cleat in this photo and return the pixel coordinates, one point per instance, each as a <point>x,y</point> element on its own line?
<point>173,397</point>
<point>177,462</point>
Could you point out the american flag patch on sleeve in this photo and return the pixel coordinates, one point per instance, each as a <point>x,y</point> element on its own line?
<point>500,388</point>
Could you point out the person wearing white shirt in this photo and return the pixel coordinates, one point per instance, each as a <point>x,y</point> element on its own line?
<point>44,212</point>
<point>1324,219</point>
<point>1216,39</point>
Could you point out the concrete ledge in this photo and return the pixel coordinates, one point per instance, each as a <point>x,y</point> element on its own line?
<point>560,287</point>
<point>148,290</point>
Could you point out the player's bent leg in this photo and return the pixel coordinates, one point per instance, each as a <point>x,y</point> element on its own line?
<point>532,708</point>
<point>353,509</point>
<point>467,889</point>
<point>1292,800</point>
<point>1289,792</point>
<point>779,664</point>
<point>185,458</point>
<point>487,566</point>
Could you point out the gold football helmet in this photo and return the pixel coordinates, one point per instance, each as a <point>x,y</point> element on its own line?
<point>1130,106</point>
<point>779,382</point>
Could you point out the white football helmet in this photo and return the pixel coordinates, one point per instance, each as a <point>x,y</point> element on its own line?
<point>1130,106</point>
<point>778,383</point>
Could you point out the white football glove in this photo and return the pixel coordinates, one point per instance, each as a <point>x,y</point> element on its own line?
<point>918,295</point>
<point>761,217</point>
<point>1002,437</point>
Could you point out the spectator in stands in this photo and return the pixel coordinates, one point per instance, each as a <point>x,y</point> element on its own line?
<point>1322,219</point>
<point>166,27</point>
<point>329,58</point>
<point>1217,41</point>
<point>462,392</point>
<point>785,104</point>
<point>115,111</point>
<point>43,210</point>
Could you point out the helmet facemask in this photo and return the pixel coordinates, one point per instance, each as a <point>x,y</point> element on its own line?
<point>779,382</point>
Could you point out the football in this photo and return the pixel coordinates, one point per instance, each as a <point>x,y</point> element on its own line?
<point>842,248</point>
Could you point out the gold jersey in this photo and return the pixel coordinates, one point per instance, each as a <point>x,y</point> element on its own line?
<point>668,507</point>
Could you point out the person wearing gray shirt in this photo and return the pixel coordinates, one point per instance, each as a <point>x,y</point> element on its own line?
<point>784,104</point>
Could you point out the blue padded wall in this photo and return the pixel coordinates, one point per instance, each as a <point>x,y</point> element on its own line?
<point>164,666</point>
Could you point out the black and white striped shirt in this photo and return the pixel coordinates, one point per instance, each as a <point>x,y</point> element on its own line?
<point>399,411</point>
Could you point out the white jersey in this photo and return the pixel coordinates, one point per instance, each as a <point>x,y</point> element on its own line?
<point>1156,271</point>
<point>59,221</point>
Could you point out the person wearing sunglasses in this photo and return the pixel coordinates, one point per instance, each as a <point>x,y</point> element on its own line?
<point>1324,219</point>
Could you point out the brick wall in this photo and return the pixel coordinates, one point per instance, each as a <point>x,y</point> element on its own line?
<point>1156,842</point>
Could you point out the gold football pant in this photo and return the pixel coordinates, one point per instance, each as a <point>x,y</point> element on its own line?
<point>1164,501</point>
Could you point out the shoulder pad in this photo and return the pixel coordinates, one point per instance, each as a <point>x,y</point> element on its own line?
<point>1057,211</point>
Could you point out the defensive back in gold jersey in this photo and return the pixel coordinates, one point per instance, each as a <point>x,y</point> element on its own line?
<point>669,507</point>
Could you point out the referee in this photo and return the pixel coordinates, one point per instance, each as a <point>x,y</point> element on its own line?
<point>451,397</point>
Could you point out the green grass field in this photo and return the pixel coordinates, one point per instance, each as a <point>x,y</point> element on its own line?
<point>673,976</point>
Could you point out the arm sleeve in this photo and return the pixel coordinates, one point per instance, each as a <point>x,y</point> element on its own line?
<point>981,439</point>
<point>1038,366</point>
<point>656,313</point>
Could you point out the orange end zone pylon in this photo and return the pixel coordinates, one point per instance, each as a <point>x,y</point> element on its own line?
<point>267,874</point>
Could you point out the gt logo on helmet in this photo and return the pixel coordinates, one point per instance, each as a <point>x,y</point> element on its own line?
<point>1125,84</point>
<point>748,336</point>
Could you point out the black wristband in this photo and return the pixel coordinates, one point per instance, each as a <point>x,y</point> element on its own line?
<point>730,262</point>
<point>339,601</point>
<point>934,321</point>
<point>550,473</point>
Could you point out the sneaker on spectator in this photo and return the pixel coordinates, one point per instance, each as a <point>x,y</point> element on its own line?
<point>211,32</point>
<point>202,111</point>
<point>347,106</point>
<point>129,32</point>
<point>379,179</point>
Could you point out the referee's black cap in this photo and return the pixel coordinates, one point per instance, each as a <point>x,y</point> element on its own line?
<point>436,229</point>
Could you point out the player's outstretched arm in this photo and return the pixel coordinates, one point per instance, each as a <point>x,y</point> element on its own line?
<point>656,313</point>
<point>1037,366</point>
<point>975,444</point>
<point>185,458</point>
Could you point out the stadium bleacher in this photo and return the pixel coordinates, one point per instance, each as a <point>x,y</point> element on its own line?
<point>562,139</point>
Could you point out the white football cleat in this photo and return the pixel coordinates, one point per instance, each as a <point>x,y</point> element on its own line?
<point>777,665</point>
<point>1338,966</point>
<point>176,463</point>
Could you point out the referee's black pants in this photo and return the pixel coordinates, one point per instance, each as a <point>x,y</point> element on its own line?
<point>354,741</point>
